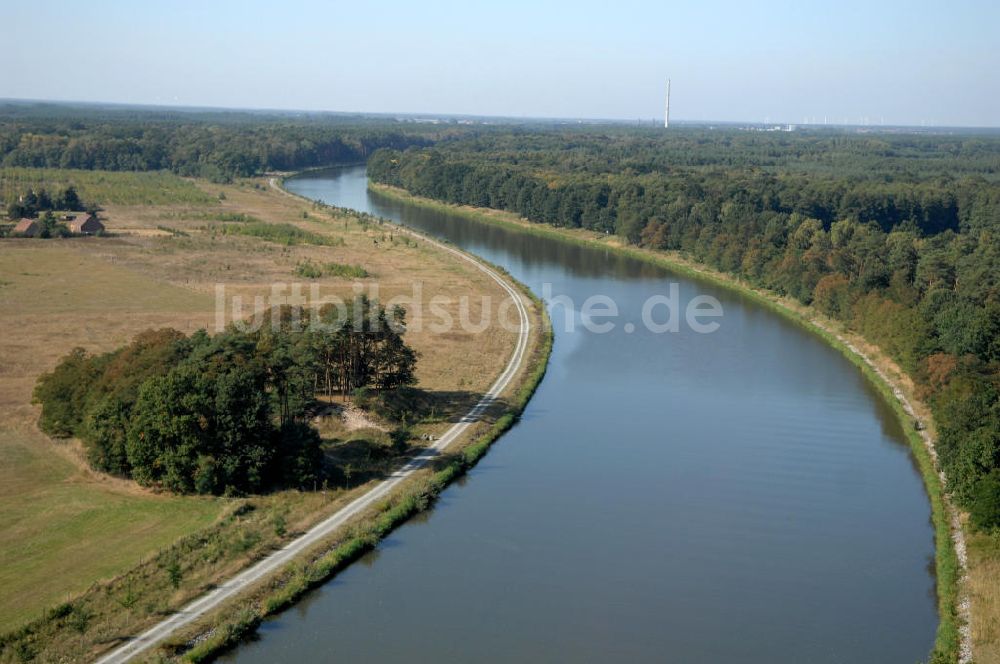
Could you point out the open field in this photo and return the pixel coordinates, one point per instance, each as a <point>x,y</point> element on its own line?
<point>61,526</point>
<point>64,527</point>
<point>984,593</point>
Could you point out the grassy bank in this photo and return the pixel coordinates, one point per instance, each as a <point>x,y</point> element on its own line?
<point>871,362</point>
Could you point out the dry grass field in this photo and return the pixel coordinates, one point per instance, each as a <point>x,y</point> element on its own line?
<point>63,527</point>
<point>984,592</point>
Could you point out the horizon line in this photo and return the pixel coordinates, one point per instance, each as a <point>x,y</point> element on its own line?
<point>767,122</point>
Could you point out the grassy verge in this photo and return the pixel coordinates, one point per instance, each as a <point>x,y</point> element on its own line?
<point>947,567</point>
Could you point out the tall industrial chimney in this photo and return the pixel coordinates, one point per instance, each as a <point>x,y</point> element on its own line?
<point>666,115</point>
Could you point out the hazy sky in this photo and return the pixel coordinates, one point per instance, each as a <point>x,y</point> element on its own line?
<point>904,62</point>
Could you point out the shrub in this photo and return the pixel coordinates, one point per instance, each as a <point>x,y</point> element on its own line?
<point>62,394</point>
<point>308,270</point>
<point>286,234</point>
<point>347,271</point>
<point>984,511</point>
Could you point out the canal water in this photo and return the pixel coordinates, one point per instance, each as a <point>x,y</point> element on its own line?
<point>739,496</point>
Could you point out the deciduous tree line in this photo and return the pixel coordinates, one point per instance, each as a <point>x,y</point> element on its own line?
<point>223,413</point>
<point>899,237</point>
<point>217,146</point>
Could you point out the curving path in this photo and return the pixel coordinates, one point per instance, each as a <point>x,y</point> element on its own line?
<point>278,559</point>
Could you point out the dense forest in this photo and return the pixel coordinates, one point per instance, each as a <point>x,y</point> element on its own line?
<point>896,235</point>
<point>218,146</point>
<point>226,413</point>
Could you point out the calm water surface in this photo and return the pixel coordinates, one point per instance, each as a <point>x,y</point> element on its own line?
<point>742,496</point>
